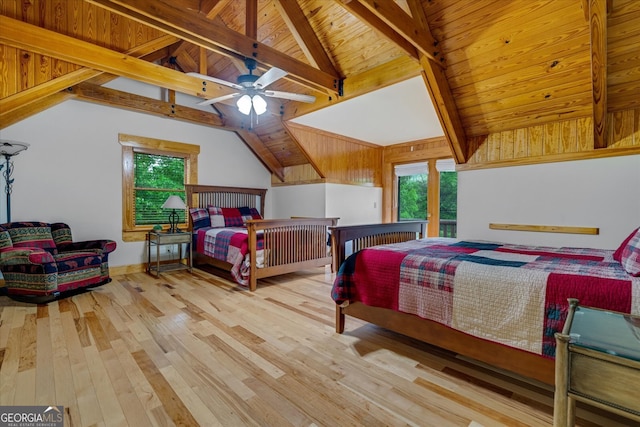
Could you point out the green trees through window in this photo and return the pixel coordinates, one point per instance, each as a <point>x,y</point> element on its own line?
<point>413,201</point>
<point>156,178</point>
<point>412,197</point>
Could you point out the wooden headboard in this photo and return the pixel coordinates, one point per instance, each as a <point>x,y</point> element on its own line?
<point>201,196</point>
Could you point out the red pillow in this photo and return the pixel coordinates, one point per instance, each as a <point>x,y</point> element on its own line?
<point>617,255</point>
<point>232,217</point>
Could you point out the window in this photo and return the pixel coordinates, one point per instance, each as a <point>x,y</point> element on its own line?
<point>412,192</point>
<point>429,190</point>
<point>448,198</point>
<point>153,170</point>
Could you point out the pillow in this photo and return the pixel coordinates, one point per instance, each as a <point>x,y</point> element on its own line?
<point>245,212</point>
<point>200,218</point>
<point>630,259</point>
<point>216,217</point>
<point>618,253</point>
<point>255,214</point>
<point>232,217</point>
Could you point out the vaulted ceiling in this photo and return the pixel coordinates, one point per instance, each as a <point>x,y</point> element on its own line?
<point>489,65</point>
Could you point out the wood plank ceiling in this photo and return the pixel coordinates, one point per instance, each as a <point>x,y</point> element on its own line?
<point>490,65</point>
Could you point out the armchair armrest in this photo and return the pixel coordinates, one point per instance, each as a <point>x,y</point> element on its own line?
<point>103,246</point>
<point>18,256</point>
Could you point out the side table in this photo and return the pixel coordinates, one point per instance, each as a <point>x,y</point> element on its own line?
<point>159,239</point>
<point>597,362</point>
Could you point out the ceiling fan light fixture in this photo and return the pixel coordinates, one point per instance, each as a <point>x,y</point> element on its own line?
<point>259,104</point>
<point>244,104</point>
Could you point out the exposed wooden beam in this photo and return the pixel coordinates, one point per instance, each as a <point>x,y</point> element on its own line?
<point>24,98</point>
<point>7,118</point>
<point>396,18</point>
<point>201,31</point>
<point>267,158</point>
<point>440,92</point>
<point>598,28</point>
<point>445,107</point>
<point>53,86</point>
<point>251,19</point>
<point>128,101</point>
<point>301,30</point>
<point>372,20</point>
<point>211,8</point>
<point>32,38</point>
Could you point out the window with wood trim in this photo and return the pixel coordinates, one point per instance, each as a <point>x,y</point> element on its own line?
<point>153,170</point>
<point>428,190</point>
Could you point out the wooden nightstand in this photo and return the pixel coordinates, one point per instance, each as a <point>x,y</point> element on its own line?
<point>597,362</point>
<point>159,239</point>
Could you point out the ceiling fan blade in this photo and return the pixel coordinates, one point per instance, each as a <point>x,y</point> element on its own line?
<point>216,80</point>
<point>219,99</point>
<point>269,77</point>
<point>292,96</point>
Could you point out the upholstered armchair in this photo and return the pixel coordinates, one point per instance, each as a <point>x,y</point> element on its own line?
<point>40,260</point>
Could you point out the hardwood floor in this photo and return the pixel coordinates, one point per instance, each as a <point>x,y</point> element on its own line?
<point>194,349</point>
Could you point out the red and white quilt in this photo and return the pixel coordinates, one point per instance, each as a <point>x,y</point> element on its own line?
<point>510,294</point>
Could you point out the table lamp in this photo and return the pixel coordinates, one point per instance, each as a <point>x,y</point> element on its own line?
<point>174,202</point>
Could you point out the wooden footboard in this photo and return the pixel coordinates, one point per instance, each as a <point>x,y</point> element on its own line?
<point>289,244</point>
<point>364,236</point>
<point>510,359</point>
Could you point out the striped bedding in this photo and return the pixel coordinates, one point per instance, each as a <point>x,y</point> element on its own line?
<point>509,294</point>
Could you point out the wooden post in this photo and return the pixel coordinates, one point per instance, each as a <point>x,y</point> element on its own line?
<point>563,405</point>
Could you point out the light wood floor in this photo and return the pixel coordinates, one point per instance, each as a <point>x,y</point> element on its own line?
<point>194,349</point>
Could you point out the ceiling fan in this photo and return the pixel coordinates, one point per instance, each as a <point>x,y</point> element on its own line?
<point>252,87</point>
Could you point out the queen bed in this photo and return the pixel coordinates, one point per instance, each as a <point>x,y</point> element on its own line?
<point>497,303</point>
<point>229,233</point>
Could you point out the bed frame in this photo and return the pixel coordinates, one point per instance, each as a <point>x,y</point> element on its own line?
<point>289,244</point>
<point>517,361</point>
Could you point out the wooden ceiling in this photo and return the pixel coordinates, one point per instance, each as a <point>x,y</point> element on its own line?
<point>490,65</point>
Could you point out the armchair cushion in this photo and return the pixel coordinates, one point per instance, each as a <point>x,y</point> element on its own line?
<point>40,259</point>
<point>32,235</point>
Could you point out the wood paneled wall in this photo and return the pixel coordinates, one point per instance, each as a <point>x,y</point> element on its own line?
<point>558,141</point>
<point>334,158</point>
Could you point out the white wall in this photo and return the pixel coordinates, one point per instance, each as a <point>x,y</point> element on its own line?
<point>298,200</point>
<point>72,172</point>
<point>351,203</point>
<point>602,193</point>
<point>354,204</point>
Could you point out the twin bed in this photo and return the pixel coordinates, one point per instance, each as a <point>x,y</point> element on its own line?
<point>497,303</point>
<point>229,233</point>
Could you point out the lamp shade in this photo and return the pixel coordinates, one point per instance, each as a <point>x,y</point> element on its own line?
<point>259,104</point>
<point>244,104</point>
<point>11,148</point>
<point>174,202</point>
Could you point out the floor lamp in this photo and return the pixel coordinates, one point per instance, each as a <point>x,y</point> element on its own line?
<point>9,149</point>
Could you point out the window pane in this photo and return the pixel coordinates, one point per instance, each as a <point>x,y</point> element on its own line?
<point>155,171</point>
<point>149,207</point>
<point>412,197</point>
<point>448,204</point>
<point>156,178</point>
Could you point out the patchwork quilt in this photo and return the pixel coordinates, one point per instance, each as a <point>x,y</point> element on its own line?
<point>230,245</point>
<point>510,294</point>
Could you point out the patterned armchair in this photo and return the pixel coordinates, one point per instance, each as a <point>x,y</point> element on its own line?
<point>39,260</point>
